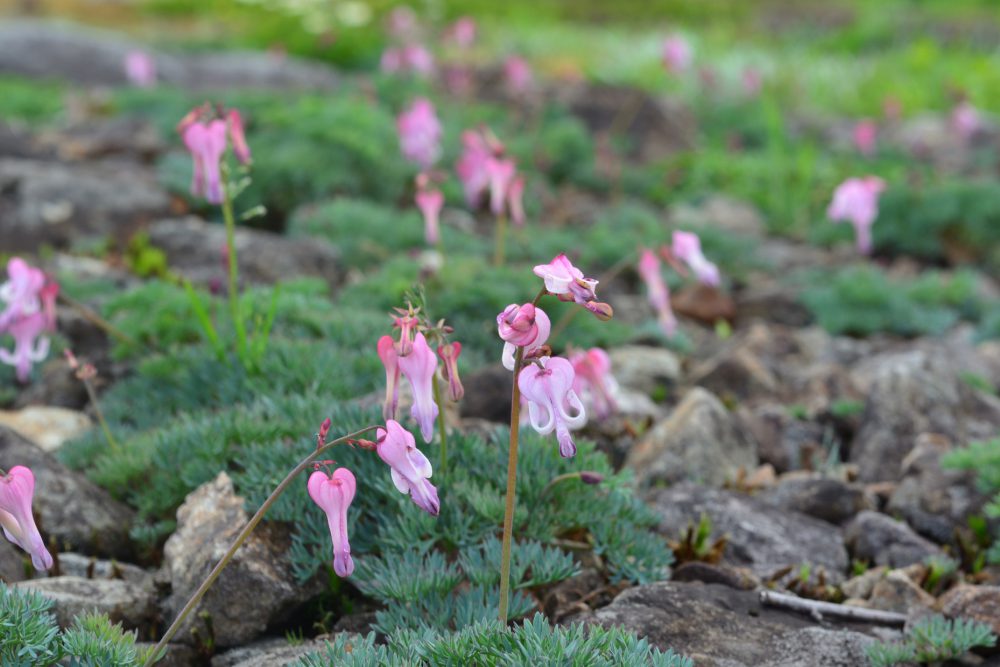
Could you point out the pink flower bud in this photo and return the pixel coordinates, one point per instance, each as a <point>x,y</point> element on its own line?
<point>334,493</point>
<point>449,354</point>
<point>419,367</point>
<point>658,292</point>
<point>17,488</point>
<point>235,125</point>
<point>410,469</point>
<point>390,360</point>
<point>856,201</point>
<point>548,389</point>
<point>563,279</point>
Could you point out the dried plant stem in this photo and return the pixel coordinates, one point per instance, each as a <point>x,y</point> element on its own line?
<point>508,515</point>
<point>816,609</point>
<point>234,296</point>
<point>501,240</point>
<point>241,538</point>
<point>92,395</point>
<point>442,429</point>
<point>98,321</point>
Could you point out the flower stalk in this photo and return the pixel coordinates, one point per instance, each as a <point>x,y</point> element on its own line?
<point>442,428</point>
<point>233,268</point>
<point>241,538</point>
<point>499,252</point>
<point>508,514</point>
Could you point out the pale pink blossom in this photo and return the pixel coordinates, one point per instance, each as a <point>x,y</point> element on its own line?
<point>390,360</point>
<point>524,326</point>
<point>17,489</point>
<point>594,382</point>
<point>752,81</point>
<point>449,353</point>
<point>30,346</point>
<point>420,133</point>
<point>402,23</point>
<point>21,292</point>
<point>856,201</point>
<point>501,172</point>
<point>547,385</point>
<point>207,144</point>
<point>418,367</point>
<point>430,203</point>
<point>657,291</point>
<point>459,80</point>
<point>413,59</point>
<point>410,469</point>
<point>471,166</point>
<point>566,281</point>
<point>140,69</point>
<point>687,247</point>
<point>677,54</point>
<point>515,201</point>
<point>965,120</point>
<point>517,76</point>
<point>865,135</point>
<point>334,493</point>
<point>462,32</point>
<point>234,125</point>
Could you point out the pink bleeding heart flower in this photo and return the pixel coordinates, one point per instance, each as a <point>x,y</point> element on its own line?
<point>21,292</point>
<point>548,388</point>
<point>658,292</point>
<point>462,32</point>
<point>517,76</point>
<point>965,120</point>
<point>140,69</point>
<point>449,353</point>
<point>566,281</point>
<point>865,136</point>
<point>524,326</point>
<point>856,201</point>
<point>391,61</point>
<point>390,360</point>
<point>687,247</point>
<point>234,123</point>
<point>402,23</point>
<point>420,133</point>
<point>418,59</point>
<point>752,81</point>
<point>408,325</point>
<point>676,54</point>
<point>17,488</point>
<point>410,469</point>
<point>430,203</point>
<point>501,173</point>
<point>29,345</point>
<point>206,141</point>
<point>334,493</point>
<point>594,382</point>
<point>472,166</point>
<point>418,367</point>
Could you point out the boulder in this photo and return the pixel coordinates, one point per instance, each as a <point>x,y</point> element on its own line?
<point>825,498</point>
<point>267,652</point>
<point>645,368</point>
<point>256,589</point>
<point>124,602</point>
<point>979,603</point>
<point>71,510</point>
<point>48,427</point>
<point>699,441</point>
<point>760,537</point>
<point>882,540</point>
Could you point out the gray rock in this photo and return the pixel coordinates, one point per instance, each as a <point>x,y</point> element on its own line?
<point>699,441</point>
<point>897,592</point>
<point>56,203</point>
<point>266,653</point>
<point>882,540</point>
<point>782,440</point>
<point>979,603</point>
<point>124,602</point>
<point>487,394</point>
<point>71,510</point>
<point>254,590</point>
<point>759,536</point>
<point>86,56</point>
<point>935,502</point>
<point>720,212</point>
<point>78,565</point>
<point>178,655</point>
<point>824,498</point>
<point>644,368</point>
<point>13,563</point>
<point>736,372</point>
<point>722,627</point>
<point>195,248</point>
<point>914,392</point>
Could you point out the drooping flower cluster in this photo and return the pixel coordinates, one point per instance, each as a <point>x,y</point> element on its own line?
<point>408,56</point>
<point>206,131</point>
<point>657,291</point>
<point>412,356</point>
<point>17,489</point>
<point>594,382</point>
<point>334,492</point>
<point>865,136</point>
<point>856,201</point>
<point>546,382</point>
<point>29,311</point>
<point>487,173</point>
<point>517,76</point>
<point>420,133</point>
<point>687,248</point>
<point>965,120</point>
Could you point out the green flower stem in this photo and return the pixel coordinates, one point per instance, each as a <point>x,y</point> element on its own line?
<point>501,240</point>
<point>234,296</point>
<point>442,430</point>
<point>91,316</point>
<point>241,538</point>
<point>508,515</point>
<point>92,395</point>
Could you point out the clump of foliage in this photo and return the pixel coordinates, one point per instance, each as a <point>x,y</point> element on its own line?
<point>931,640</point>
<point>984,458</point>
<point>29,635</point>
<point>442,573</point>
<point>490,644</point>
<point>863,300</point>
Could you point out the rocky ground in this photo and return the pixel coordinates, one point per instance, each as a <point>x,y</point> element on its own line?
<point>741,430</point>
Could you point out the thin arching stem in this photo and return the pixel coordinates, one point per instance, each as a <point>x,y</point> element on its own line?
<point>508,515</point>
<point>241,538</point>
<point>234,295</point>
<point>442,428</point>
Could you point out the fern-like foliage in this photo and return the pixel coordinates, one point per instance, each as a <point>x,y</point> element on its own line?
<point>29,636</point>
<point>932,640</point>
<point>489,644</point>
